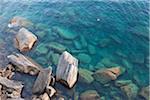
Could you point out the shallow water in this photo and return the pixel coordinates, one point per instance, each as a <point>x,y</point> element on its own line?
<point>117,32</point>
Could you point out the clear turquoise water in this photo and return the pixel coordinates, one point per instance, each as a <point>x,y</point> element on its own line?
<point>123,24</point>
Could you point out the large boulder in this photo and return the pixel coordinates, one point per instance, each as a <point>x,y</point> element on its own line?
<point>18,21</point>
<point>67,69</point>
<point>85,76</point>
<point>107,74</point>
<point>144,92</point>
<point>90,95</point>
<point>42,81</point>
<point>24,64</point>
<point>24,40</point>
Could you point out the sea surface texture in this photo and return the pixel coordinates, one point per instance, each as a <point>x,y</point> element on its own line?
<point>101,34</point>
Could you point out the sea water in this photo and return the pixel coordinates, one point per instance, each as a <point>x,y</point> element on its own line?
<point>107,34</point>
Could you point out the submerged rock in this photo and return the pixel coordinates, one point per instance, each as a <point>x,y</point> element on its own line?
<point>84,58</point>
<point>67,69</point>
<point>107,62</point>
<point>24,40</point>
<point>108,74</point>
<point>91,49</point>
<point>120,83</point>
<point>43,79</point>
<point>85,76</point>
<point>55,58</point>
<point>24,64</point>
<point>13,88</point>
<point>104,42</point>
<point>65,33</point>
<point>57,46</point>
<point>90,95</point>
<point>144,92</point>
<point>116,39</point>
<point>42,49</point>
<point>83,41</point>
<point>77,44</point>
<point>19,21</point>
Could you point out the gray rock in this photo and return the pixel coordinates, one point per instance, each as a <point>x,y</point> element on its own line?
<point>24,40</point>
<point>67,69</point>
<point>84,58</point>
<point>43,79</point>
<point>24,64</point>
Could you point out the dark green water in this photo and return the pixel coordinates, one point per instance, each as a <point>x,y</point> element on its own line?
<point>110,33</point>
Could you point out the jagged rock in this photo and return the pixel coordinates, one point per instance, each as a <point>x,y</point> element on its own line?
<point>90,95</point>
<point>24,64</point>
<point>55,58</point>
<point>104,42</point>
<point>91,49</point>
<point>84,58</point>
<point>41,49</point>
<point>144,92</point>
<point>67,69</point>
<point>43,79</point>
<point>105,75</point>
<point>130,91</point>
<point>24,40</point>
<point>13,88</point>
<point>57,46</point>
<point>65,33</point>
<point>45,97</point>
<point>85,76</point>
<point>19,21</point>
<point>50,91</point>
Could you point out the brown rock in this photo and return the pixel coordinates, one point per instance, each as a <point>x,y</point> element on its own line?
<point>24,64</point>
<point>45,97</point>
<point>106,75</point>
<point>90,95</point>
<point>24,40</point>
<point>144,92</point>
<point>50,91</point>
<point>18,21</point>
<point>67,69</point>
<point>42,81</point>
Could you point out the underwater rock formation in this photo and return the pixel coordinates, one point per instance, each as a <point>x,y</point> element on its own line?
<point>24,64</point>
<point>144,92</point>
<point>90,95</point>
<point>19,21</point>
<point>67,69</point>
<point>24,40</point>
<point>107,74</point>
<point>57,47</point>
<point>84,58</point>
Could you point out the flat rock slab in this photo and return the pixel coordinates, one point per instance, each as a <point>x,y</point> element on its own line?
<point>24,40</point>
<point>42,81</point>
<point>24,64</point>
<point>10,83</point>
<point>67,69</point>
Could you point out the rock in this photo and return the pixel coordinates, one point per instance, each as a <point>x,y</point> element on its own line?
<point>43,79</point>
<point>57,46</point>
<point>67,69</point>
<point>24,64</point>
<point>130,91</point>
<point>41,34</point>
<point>41,60</point>
<point>121,54</point>
<point>83,41</point>
<point>42,49</point>
<point>19,21</point>
<point>55,58</point>
<point>15,99</point>
<point>50,91</point>
<point>120,83</point>
<point>24,40</point>
<point>65,33</point>
<point>106,75</point>
<point>77,44</point>
<point>84,58</point>
<point>144,92</point>
<point>104,42</point>
<point>137,58</point>
<point>90,95</point>
<point>108,63</point>
<point>13,88</point>
<point>85,76</point>
<point>45,97</point>
<point>91,49</point>
<point>116,39</point>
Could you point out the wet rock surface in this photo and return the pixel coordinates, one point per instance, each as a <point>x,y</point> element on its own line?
<point>67,69</point>
<point>24,40</point>
<point>144,92</point>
